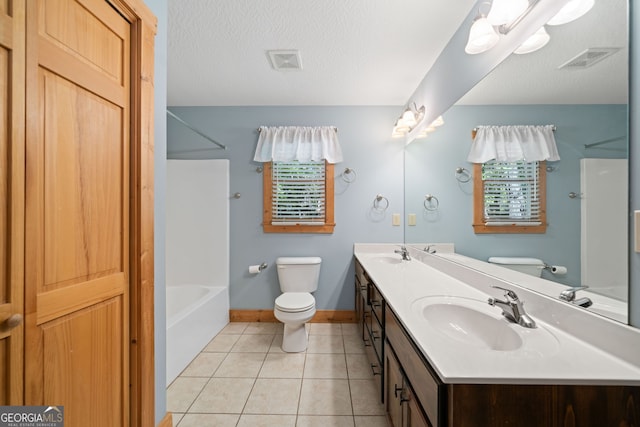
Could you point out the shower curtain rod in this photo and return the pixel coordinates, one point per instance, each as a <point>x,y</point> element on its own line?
<point>224,147</point>
<point>334,128</point>
<point>606,141</point>
<point>475,129</point>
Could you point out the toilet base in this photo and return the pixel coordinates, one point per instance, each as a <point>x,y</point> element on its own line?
<point>295,338</point>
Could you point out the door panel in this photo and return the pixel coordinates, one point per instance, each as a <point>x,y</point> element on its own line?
<point>78,344</point>
<point>90,32</point>
<point>12,82</point>
<point>77,210</point>
<point>83,191</point>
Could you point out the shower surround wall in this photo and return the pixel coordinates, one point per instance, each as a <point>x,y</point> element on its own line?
<point>197,257</point>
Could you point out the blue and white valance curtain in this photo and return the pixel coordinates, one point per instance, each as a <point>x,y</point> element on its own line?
<point>301,143</point>
<point>513,143</point>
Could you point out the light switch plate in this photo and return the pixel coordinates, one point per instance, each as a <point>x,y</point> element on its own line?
<point>411,219</point>
<point>395,219</point>
<point>636,230</point>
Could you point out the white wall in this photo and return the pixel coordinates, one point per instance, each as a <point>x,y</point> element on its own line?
<point>197,235</point>
<point>604,200</point>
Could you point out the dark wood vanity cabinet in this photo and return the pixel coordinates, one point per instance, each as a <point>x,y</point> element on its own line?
<point>370,308</point>
<point>415,396</point>
<point>401,402</point>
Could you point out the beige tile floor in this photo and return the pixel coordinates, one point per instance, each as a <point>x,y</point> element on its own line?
<point>243,378</point>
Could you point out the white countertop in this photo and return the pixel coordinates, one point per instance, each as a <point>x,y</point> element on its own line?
<point>558,351</point>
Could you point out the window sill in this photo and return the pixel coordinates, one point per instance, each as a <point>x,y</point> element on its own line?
<point>299,228</point>
<point>509,229</point>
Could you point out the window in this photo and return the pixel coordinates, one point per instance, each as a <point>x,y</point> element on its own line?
<point>298,197</point>
<point>509,197</point>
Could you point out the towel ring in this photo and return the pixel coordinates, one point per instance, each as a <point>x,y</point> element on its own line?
<point>462,175</point>
<point>377,203</point>
<point>429,203</point>
<point>349,175</point>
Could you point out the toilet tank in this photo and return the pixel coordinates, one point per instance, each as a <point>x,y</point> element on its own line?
<point>298,274</point>
<point>532,266</point>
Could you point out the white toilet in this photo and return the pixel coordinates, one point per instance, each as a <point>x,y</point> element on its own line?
<point>298,277</point>
<point>532,266</point>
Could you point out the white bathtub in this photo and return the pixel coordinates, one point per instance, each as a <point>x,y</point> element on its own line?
<point>195,314</point>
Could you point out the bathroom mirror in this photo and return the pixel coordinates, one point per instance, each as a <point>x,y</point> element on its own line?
<point>587,101</point>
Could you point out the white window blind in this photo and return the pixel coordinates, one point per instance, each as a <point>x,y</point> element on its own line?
<point>511,193</point>
<point>298,193</point>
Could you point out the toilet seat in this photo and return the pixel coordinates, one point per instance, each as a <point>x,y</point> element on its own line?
<point>295,302</point>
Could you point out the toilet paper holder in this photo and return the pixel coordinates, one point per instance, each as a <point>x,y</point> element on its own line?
<point>256,269</point>
<point>556,269</point>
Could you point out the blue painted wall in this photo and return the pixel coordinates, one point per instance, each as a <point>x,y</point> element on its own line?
<point>429,167</point>
<point>431,163</point>
<point>364,134</point>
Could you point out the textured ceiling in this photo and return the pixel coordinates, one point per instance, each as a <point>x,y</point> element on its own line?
<point>370,52</point>
<point>353,52</point>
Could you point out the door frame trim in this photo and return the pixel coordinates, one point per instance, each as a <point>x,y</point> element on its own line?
<point>141,302</point>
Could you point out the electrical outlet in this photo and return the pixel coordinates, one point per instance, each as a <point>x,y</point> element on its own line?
<point>411,219</point>
<point>395,219</point>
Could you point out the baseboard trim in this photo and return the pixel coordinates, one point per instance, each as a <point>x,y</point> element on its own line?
<point>167,421</point>
<point>322,316</point>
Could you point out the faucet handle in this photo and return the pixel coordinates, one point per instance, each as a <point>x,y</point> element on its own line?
<point>508,293</point>
<point>570,294</point>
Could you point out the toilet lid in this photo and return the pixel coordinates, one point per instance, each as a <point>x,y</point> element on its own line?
<point>295,301</point>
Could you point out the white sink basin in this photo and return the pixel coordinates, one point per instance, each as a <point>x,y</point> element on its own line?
<point>387,258</point>
<point>471,326</point>
<point>474,324</point>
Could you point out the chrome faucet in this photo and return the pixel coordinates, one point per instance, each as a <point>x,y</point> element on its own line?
<point>404,252</point>
<point>429,249</point>
<point>569,295</point>
<point>512,308</point>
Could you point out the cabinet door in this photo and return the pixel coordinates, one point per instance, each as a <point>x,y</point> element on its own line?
<point>393,388</point>
<point>413,416</point>
<point>359,307</point>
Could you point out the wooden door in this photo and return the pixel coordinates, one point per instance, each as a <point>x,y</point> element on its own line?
<point>77,275</point>
<point>12,57</point>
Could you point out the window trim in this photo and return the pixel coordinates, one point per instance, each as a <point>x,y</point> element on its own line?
<point>267,214</point>
<point>479,226</point>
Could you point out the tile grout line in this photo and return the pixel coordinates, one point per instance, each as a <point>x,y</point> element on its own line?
<point>353,415</point>
<point>304,365</point>
<point>265,355</point>
<point>255,380</point>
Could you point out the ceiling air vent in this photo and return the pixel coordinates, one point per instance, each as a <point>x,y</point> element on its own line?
<point>285,60</point>
<point>588,57</point>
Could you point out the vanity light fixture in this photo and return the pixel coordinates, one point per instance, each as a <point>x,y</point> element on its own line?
<point>537,41</point>
<point>424,132</point>
<point>439,121</point>
<point>505,15</point>
<point>482,36</point>
<point>571,11</point>
<point>410,118</point>
<point>407,121</point>
<point>505,11</point>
